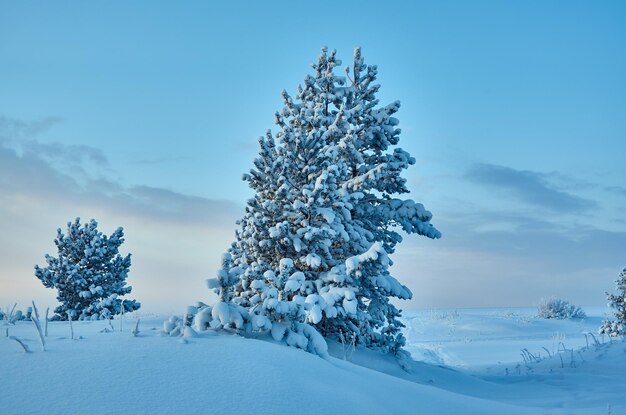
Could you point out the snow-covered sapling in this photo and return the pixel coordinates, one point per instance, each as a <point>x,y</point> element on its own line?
<point>89,273</point>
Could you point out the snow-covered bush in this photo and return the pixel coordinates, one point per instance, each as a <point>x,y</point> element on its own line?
<point>89,273</point>
<point>556,308</point>
<point>310,257</point>
<point>617,301</point>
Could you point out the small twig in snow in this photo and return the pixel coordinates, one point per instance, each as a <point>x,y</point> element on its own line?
<point>46,322</point>
<point>35,320</point>
<point>10,314</point>
<point>136,329</point>
<point>122,317</point>
<point>26,349</point>
<point>36,311</point>
<point>595,341</point>
<point>69,317</point>
<point>110,323</point>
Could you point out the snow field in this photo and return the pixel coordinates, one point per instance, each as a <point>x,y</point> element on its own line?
<point>104,372</point>
<point>114,373</point>
<point>485,339</point>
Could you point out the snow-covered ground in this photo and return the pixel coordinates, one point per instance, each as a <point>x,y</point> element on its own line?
<point>554,365</point>
<point>471,364</point>
<point>492,338</point>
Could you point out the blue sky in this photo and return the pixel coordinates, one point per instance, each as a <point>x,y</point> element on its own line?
<point>145,115</point>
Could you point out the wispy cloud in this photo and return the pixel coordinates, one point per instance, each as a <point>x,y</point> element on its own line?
<point>618,190</point>
<point>159,202</point>
<point>29,170</point>
<point>72,154</point>
<point>528,186</point>
<point>520,257</point>
<point>14,129</point>
<point>23,138</point>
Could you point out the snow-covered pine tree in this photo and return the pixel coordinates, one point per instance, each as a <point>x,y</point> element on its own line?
<point>89,273</point>
<point>310,256</point>
<point>617,327</point>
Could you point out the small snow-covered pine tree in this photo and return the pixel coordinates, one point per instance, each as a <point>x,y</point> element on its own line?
<point>310,256</point>
<point>617,327</point>
<point>89,273</point>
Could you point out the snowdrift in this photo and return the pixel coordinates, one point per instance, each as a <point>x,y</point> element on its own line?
<point>113,372</point>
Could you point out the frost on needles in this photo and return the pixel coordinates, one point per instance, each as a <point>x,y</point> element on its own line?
<point>310,258</point>
<point>89,273</point>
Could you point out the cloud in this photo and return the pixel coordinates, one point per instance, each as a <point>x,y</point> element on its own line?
<point>164,203</point>
<point>11,128</point>
<point>31,178</point>
<point>22,137</point>
<point>570,245</point>
<point>507,258</point>
<point>618,190</point>
<point>29,171</point>
<point>527,186</point>
<point>71,154</point>
<point>502,252</point>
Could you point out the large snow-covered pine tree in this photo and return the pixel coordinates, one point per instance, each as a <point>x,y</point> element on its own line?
<point>89,273</point>
<point>617,327</point>
<point>310,256</point>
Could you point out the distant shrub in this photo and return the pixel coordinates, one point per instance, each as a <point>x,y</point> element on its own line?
<point>559,309</point>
